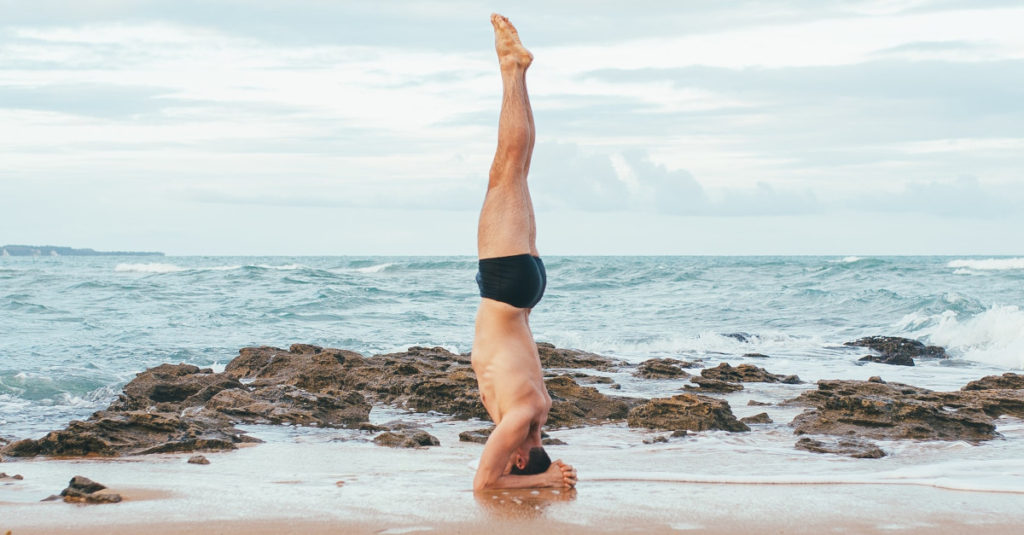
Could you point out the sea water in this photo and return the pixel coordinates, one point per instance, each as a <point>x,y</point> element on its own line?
<point>74,330</point>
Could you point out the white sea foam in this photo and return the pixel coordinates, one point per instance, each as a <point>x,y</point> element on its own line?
<point>851,259</point>
<point>222,268</point>
<point>989,264</point>
<point>995,336</point>
<point>374,269</point>
<point>704,343</point>
<point>148,268</point>
<point>285,267</point>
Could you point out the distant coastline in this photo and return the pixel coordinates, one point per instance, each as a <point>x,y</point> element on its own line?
<point>54,250</point>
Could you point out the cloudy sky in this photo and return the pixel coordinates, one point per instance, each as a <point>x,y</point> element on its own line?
<point>682,127</point>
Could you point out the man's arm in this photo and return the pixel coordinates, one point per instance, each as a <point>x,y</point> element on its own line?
<point>508,434</point>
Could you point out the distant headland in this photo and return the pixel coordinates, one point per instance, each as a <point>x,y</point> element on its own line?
<point>53,250</point>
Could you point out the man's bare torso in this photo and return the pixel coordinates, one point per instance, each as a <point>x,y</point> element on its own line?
<point>506,363</point>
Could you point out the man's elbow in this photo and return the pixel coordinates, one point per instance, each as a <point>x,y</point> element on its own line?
<point>481,483</point>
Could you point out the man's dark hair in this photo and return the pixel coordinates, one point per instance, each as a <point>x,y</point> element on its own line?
<point>538,463</point>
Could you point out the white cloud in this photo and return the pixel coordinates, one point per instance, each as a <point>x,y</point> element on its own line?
<point>797,109</point>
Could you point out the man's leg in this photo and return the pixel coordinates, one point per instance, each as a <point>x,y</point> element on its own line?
<point>506,219</point>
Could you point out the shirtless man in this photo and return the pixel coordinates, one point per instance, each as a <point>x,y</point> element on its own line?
<point>512,281</point>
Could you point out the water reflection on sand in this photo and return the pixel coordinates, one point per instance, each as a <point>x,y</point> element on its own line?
<point>521,504</point>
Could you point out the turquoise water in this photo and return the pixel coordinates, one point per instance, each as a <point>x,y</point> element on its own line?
<point>73,330</point>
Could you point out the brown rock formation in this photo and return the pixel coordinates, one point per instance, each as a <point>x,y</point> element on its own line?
<point>707,384</point>
<point>760,418</point>
<point>896,350</point>
<point>554,357</point>
<point>407,438</point>
<point>746,373</point>
<point>890,411</point>
<point>84,490</point>
<point>663,369</point>
<point>573,405</point>
<point>851,447</point>
<point>686,411</point>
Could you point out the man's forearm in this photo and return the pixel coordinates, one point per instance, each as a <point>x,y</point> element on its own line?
<point>534,481</point>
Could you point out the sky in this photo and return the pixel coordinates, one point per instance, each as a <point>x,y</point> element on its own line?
<point>314,127</point>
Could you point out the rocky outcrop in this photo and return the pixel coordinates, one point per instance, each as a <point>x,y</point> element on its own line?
<point>706,384</point>
<point>760,418</point>
<point>890,411</point>
<point>286,404</point>
<point>1006,381</point>
<point>746,373</point>
<point>111,433</point>
<point>895,350</point>
<point>850,447</point>
<point>663,369</point>
<point>685,412</point>
<point>84,490</point>
<point>183,408</point>
<point>172,387</point>
<point>573,405</point>
<point>478,436</point>
<point>554,357</point>
<point>407,438</point>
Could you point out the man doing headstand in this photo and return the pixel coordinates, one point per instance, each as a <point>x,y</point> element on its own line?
<point>512,281</point>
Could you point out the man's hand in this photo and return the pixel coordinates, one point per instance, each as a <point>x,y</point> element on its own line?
<point>560,474</point>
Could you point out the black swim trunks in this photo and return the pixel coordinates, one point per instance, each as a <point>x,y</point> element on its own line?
<point>517,280</point>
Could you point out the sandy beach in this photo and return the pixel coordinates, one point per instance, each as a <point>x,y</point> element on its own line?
<point>308,481</point>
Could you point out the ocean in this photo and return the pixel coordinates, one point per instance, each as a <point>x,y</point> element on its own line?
<point>74,330</point>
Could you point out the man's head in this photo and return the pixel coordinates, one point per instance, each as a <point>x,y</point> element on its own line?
<point>536,461</point>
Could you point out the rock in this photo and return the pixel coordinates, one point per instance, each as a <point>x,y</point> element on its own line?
<point>422,380</point>
<point>311,368</point>
<point>679,433</point>
<point>198,459</point>
<point>761,418</point>
<point>993,402</point>
<point>739,336</point>
<point>184,408</point>
<point>755,356</point>
<point>888,411</point>
<point>753,403</point>
<point>573,405</point>
<point>84,490</point>
<point>587,379</point>
<point>406,439</point>
<point>746,373</point>
<point>1006,381</point>
<point>171,388</point>
<point>553,442</point>
<point>655,440</point>
<point>706,384</point>
<point>850,447</point>
<point>895,360</point>
<point>16,477</point>
<point>875,379</point>
<point>685,411</point>
<point>896,350</point>
<point>662,369</point>
<point>109,433</point>
<point>287,404</point>
<point>553,357</point>
<point>479,436</point>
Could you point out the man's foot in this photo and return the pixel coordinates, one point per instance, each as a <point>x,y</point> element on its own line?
<point>511,53</point>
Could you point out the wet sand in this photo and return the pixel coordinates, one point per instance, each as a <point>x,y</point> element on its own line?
<point>331,481</point>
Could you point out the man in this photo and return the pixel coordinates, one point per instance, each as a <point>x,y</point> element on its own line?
<point>512,281</point>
